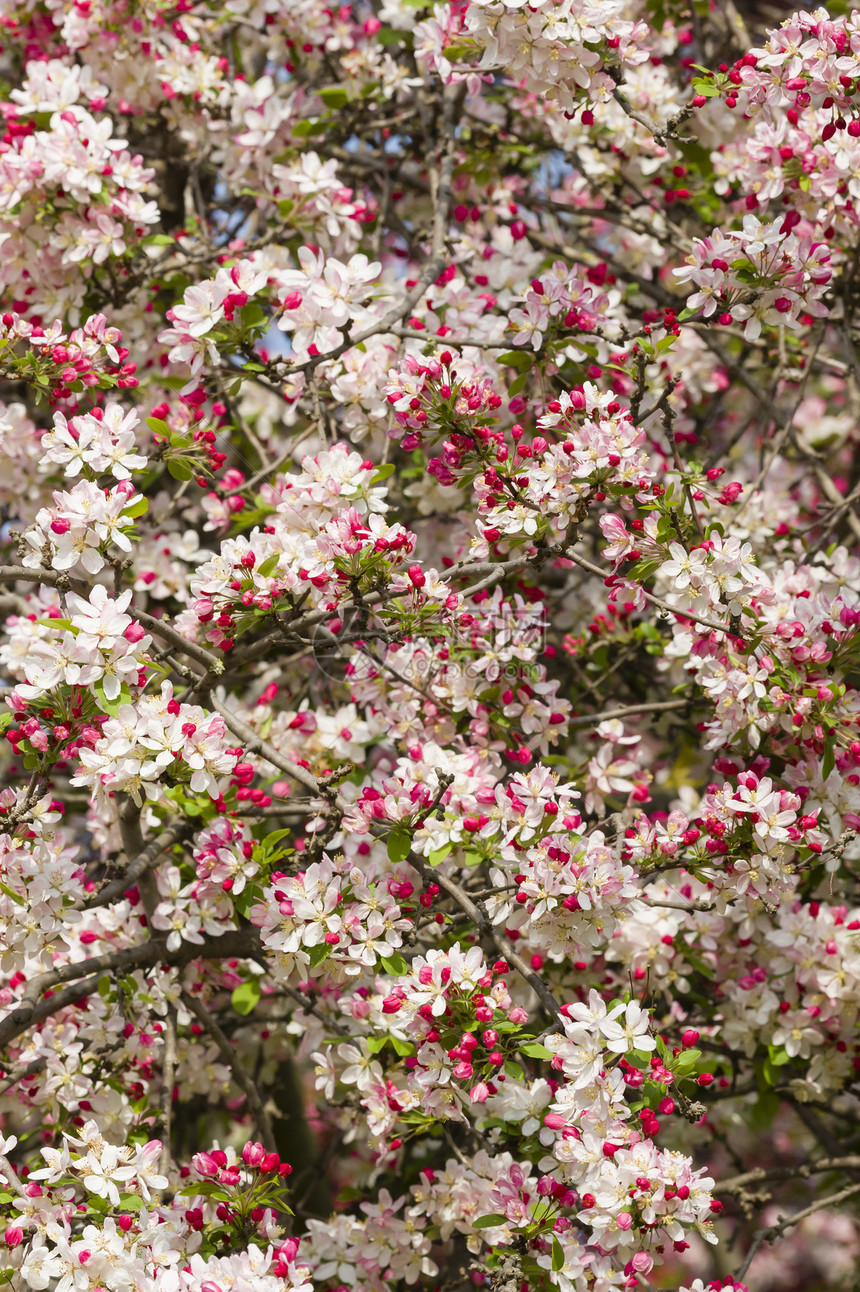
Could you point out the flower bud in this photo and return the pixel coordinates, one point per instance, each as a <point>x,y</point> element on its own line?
<point>253,1153</point>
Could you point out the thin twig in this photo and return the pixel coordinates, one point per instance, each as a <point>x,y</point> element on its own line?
<point>655,706</point>
<point>776,1231</point>
<point>477,913</point>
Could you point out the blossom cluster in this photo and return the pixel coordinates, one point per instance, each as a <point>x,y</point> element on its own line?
<point>429,655</point>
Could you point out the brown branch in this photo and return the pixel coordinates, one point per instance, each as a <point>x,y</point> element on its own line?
<point>776,1231</point>
<point>168,1074</point>
<point>256,745</point>
<point>656,706</point>
<point>477,913</point>
<point>146,954</point>
<point>141,864</point>
<point>24,1070</point>
<point>436,263</point>
<point>800,1170</point>
<point>128,816</point>
<point>240,1076</point>
<point>57,578</point>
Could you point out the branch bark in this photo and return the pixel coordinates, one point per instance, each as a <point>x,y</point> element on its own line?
<point>136,868</point>
<point>240,1076</point>
<point>477,913</point>
<point>31,1010</point>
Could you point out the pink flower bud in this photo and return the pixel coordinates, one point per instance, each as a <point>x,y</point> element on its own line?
<point>253,1154</point>
<point>204,1164</point>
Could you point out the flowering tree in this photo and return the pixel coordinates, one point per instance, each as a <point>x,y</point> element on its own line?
<point>430,646</point>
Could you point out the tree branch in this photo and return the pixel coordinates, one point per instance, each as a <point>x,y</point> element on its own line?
<point>238,943</point>
<point>240,1076</point>
<point>142,863</point>
<point>477,913</point>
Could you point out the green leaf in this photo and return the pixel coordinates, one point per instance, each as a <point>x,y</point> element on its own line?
<point>375,1044</point>
<point>699,965</point>
<point>10,892</point>
<point>251,314</point>
<point>394,965</point>
<point>399,844</point>
<point>206,1189</point>
<point>319,953</point>
<point>403,1048</point>
<point>764,1110</point>
<point>557,1254</point>
<point>382,473</point>
<point>513,1070</point>
<point>271,841</point>
<point>535,1050</point>
<point>489,1222</point>
<point>180,469</point>
<point>778,1056</point>
<point>111,707</point>
<point>334,97</point>
<point>829,760</point>
<point>158,427</point>
<point>438,856</point>
<point>245,997</point>
<point>130,1201</point>
<point>687,1060</point>
<point>269,566</point>
<point>138,508</point>
<point>158,240</point>
<point>388,36</point>
<point>518,359</point>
